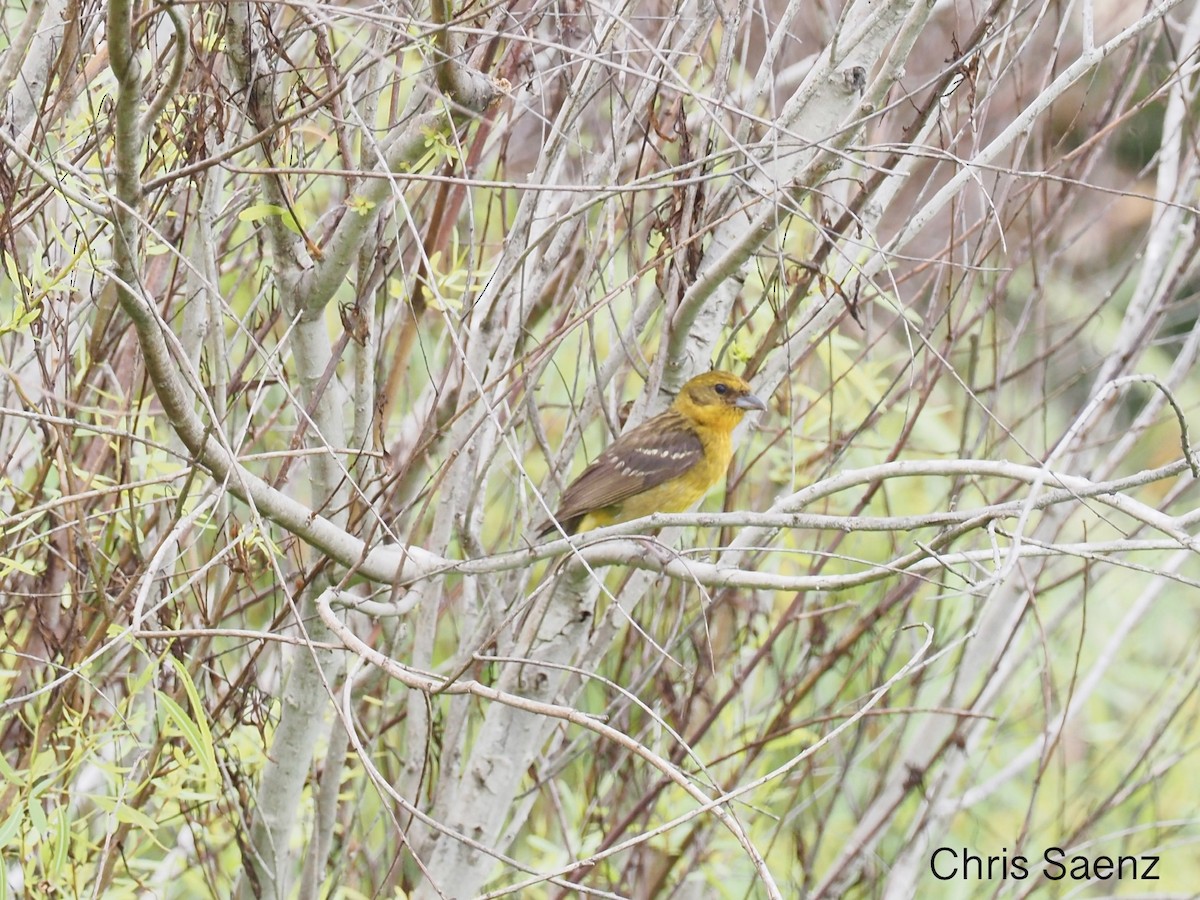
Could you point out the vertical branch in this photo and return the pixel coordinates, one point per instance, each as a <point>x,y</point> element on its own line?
<point>818,107</point>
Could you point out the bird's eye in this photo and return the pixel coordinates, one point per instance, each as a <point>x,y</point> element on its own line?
<point>721,389</point>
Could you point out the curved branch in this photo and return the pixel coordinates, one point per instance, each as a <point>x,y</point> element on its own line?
<point>178,59</point>
<point>429,684</point>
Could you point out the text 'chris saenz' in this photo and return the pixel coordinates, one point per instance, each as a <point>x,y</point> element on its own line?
<point>952,863</point>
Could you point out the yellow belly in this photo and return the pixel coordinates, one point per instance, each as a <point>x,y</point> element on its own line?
<point>679,494</point>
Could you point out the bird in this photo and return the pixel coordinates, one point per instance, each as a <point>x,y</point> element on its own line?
<point>665,464</point>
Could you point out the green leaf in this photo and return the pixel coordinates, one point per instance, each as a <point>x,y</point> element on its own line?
<point>44,763</point>
<point>11,828</point>
<point>196,731</point>
<point>127,814</point>
<point>21,318</point>
<point>260,211</point>
<point>8,565</point>
<point>359,204</point>
<point>6,770</point>
<point>61,842</point>
<point>37,817</point>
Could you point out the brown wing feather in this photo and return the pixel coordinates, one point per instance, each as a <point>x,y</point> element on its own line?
<point>638,460</point>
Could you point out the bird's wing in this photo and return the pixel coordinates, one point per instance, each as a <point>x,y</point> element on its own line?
<point>643,458</point>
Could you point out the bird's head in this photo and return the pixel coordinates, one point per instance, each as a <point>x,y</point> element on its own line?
<point>717,398</point>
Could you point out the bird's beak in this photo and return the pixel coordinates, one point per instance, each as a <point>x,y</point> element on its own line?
<point>749,401</point>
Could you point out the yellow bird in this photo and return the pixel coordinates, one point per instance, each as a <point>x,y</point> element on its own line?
<point>666,464</point>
